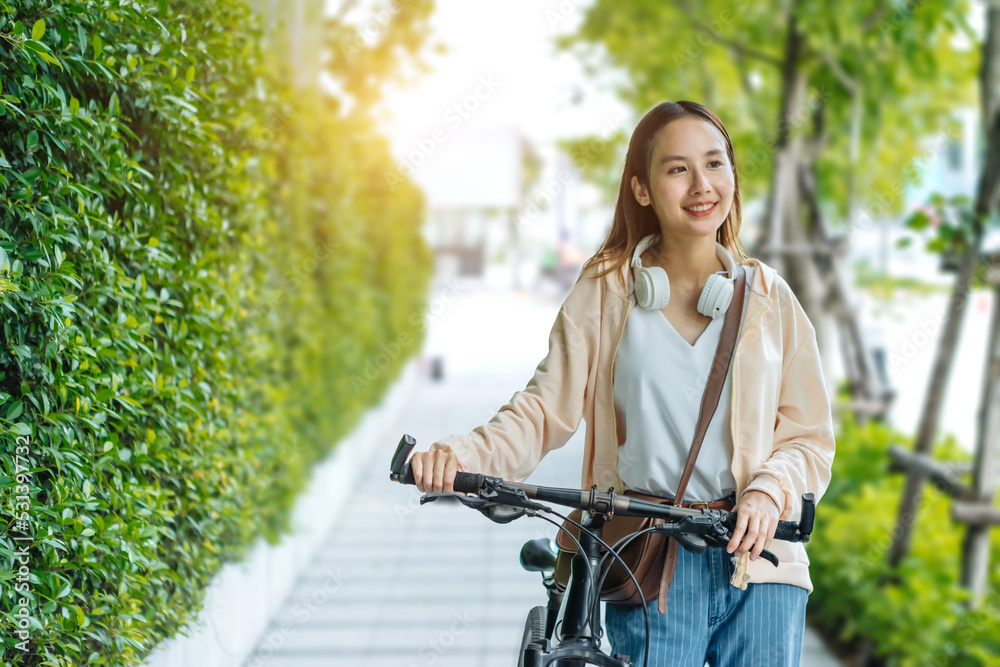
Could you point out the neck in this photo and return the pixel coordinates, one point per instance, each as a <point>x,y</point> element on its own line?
<point>689,261</point>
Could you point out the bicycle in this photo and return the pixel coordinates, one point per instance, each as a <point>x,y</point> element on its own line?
<point>579,639</point>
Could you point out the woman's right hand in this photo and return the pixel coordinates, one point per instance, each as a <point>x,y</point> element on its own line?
<point>434,471</point>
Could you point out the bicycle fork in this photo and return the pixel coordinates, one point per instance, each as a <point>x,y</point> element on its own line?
<point>582,592</point>
<point>578,639</point>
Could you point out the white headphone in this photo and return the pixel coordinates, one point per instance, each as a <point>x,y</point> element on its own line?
<point>652,287</point>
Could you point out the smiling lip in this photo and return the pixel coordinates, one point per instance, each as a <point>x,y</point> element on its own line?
<point>701,214</point>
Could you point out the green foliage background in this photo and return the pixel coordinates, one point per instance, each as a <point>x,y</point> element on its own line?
<point>194,261</point>
<point>921,619</point>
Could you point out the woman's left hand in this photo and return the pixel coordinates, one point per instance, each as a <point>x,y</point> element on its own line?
<point>756,521</point>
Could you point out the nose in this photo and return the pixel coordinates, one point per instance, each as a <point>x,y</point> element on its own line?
<point>699,182</point>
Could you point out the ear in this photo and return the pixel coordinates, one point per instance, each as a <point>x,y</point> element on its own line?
<point>639,191</point>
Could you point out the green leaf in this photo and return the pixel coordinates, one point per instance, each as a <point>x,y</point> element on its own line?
<point>190,74</point>
<point>81,37</point>
<point>87,488</point>
<point>38,29</point>
<point>918,221</point>
<point>42,51</point>
<point>15,410</point>
<point>74,105</point>
<point>98,44</point>
<point>39,47</point>
<point>51,60</point>
<point>936,245</point>
<point>32,141</point>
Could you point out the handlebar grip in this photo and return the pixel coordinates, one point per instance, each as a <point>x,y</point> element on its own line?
<point>465,482</point>
<point>808,513</point>
<point>787,530</point>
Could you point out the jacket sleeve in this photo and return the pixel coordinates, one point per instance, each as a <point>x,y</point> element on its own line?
<point>803,448</point>
<point>546,413</point>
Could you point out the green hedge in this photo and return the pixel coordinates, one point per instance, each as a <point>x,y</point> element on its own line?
<point>922,619</point>
<point>194,263</point>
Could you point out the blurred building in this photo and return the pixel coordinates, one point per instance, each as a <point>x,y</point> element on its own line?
<point>476,188</point>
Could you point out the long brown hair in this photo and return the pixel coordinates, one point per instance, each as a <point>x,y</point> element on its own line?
<point>633,222</point>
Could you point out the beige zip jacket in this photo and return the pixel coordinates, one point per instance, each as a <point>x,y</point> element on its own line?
<point>782,422</point>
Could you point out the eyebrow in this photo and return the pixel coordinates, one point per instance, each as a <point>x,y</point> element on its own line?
<point>669,158</point>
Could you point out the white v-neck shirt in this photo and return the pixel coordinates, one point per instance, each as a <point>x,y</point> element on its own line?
<point>659,383</point>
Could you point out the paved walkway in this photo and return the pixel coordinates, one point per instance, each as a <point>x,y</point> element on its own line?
<point>403,585</point>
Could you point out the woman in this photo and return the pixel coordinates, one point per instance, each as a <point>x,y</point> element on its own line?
<point>635,369</point>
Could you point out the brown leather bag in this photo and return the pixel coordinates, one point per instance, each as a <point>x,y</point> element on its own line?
<point>652,557</point>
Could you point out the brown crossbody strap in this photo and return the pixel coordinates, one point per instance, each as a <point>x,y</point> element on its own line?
<point>716,378</point>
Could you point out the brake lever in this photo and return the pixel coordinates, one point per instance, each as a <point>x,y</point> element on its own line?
<point>769,556</point>
<point>474,502</point>
<point>712,528</point>
<point>494,511</point>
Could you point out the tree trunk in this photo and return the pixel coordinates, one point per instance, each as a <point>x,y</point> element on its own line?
<point>783,216</point>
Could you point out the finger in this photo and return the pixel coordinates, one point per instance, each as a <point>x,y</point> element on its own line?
<point>741,525</point>
<point>761,540</point>
<point>753,526</point>
<point>771,530</point>
<point>439,462</point>
<point>450,468</point>
<point>417,467</point>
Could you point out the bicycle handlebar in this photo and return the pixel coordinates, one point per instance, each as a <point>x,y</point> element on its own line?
<point>598,501</point>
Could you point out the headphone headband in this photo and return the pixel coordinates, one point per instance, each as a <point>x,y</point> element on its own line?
<point>720,252</point>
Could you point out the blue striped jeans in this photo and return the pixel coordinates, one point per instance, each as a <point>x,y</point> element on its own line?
<point>710,621</point>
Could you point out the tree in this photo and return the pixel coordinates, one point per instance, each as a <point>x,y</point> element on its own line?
<point>846,93</point>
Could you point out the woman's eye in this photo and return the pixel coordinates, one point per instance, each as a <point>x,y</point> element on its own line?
<point>718,162</point>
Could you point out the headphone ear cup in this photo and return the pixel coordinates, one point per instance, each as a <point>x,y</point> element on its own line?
<point>716,297</point>
<point>652,287</point>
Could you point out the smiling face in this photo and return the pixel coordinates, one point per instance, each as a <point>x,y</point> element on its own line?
<point>689,165</point>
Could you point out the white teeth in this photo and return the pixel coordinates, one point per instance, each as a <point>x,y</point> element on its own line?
<point>701,208</point>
